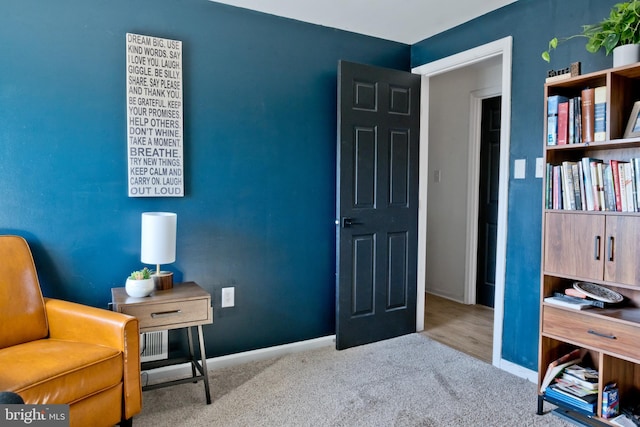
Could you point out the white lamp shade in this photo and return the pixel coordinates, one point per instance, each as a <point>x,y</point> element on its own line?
<point>158,239</point>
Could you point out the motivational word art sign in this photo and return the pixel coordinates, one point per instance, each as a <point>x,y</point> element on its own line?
<point>154,116</point>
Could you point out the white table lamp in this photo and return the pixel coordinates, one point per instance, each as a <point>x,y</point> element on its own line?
<point>158,244</point>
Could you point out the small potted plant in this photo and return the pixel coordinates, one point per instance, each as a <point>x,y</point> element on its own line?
<point>139,283</point>
<point>618,33</point>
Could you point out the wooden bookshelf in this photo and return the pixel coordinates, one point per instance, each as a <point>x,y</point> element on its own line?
<point>597,246</point>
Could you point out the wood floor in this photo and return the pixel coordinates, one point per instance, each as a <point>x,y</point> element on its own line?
<point>467,328</point>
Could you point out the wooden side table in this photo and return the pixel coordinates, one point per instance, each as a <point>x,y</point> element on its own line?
<point>186,305</point>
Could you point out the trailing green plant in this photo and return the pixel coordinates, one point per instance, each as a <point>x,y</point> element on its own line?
<point>141,274</point>
<point>620,28</point>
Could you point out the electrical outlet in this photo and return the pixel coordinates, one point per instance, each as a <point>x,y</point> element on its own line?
<point>228,297</point>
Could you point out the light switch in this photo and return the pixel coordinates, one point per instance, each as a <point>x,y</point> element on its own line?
<point>539,167</point>
<point>519,169</point>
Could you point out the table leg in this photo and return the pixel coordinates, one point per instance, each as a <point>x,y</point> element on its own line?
<point>540,405</point>
<point>191,354</point>
<point>204,365</point>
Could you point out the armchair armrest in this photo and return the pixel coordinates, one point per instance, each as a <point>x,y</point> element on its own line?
<point>76,322</point>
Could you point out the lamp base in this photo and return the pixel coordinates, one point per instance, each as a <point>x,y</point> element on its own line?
<point>163,280</point>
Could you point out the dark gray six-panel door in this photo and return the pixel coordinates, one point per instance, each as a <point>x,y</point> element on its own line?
<point>377,203</point>
<point>488,201</point>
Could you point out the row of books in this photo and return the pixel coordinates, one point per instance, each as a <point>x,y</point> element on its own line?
<point>579,119</point>
<point>571,383</point>
<point>593,185</point>
<point>585,404</point>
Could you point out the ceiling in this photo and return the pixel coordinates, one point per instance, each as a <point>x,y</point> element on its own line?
<point>405,21</point>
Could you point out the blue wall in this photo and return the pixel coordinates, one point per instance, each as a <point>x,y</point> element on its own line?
<point>259,132</point>
<point>259,128</point>
<point>531,23</point>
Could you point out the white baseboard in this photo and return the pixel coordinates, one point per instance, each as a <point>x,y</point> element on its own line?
<point>519,371</point>
<point>184,369</point>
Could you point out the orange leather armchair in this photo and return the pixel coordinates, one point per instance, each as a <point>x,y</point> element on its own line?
<point>59,352</point>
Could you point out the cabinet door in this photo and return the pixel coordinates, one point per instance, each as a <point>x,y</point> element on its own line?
<point>573,245</point>
<point>622,250</point>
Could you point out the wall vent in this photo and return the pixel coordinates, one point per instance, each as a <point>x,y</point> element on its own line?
<point>154,346</point>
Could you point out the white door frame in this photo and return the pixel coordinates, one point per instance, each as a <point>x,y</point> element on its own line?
<point>501,48</point>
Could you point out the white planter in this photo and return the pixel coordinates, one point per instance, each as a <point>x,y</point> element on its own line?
<point>139,288</point>
<point>626,54</point>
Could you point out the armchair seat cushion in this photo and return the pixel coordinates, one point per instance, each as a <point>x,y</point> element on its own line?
<point>61,352</point>
<point>58,371</point>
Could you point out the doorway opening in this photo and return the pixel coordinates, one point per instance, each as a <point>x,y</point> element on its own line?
<point>453,160</point>
<point>469,327</point>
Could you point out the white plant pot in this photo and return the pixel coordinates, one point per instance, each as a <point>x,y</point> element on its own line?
<point>626,54</point>
<point>139,288</point>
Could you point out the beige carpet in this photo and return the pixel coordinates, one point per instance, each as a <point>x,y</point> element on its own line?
<point>406,381</point>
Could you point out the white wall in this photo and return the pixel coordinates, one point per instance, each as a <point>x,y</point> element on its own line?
<point>450,100</point>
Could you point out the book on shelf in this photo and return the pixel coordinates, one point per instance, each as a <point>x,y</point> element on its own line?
<point>552,118</point>
<point>581,399</point>
<point>629,182</point>
<point>597,187</point>
<point>556,367</point>
<point>549,187</point>
<point>588,183</point>
<point>600,111</point>
<point>555,187</point>
<point>594,185</point>
<point>567,298</point>
<point>577,389</point>
<point>585,376</point>
<point>581,193</point>
<point>572,120</point>
<point>568,302</point>
<point>609,191</point>
<point>635,168</point>
<point>588,115</point>
<point>622,176</point>
<point>577,124</point>
<point>559,180</point>
<point>568,188</point>
<point>563,123</point>
<point>577,184</point>
<point>586,403</point>
<point>615,170</point>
